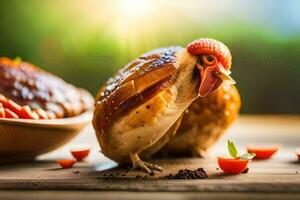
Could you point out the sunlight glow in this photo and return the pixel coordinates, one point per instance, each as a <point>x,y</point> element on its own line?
<point>133,20</point>
<point>140,25</point>
<point>135,8</point>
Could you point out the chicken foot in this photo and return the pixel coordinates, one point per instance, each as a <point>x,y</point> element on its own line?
<point>137,163</point>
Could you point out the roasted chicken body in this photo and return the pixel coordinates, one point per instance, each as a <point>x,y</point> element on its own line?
<point>139,110</point>
<point>202,124</point>
<point>29,92</point>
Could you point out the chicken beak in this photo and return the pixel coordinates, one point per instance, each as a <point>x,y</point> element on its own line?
<point>224,76</point>
<point>212,78</point>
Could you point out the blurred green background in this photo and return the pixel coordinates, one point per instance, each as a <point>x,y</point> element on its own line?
<point>86,41</point>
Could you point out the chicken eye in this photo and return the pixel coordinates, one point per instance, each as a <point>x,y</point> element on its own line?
<point>208,59</point>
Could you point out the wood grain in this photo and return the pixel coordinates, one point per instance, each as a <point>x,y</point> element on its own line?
<point>279,175</point>
<point>264,176</point>
<point>74,195</point>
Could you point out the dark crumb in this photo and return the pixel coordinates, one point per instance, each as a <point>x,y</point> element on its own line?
<point>110,174</point>
<point>139,137</point>
<point>145,176</point>
<point>104,174</point>
<point>199,173</point>
<point>123,174</point>
<point>138,176</point>
<point>152,174</point>
<point>75,172</point>
<point>296,172</point>
<point>118,173</point>
<point>136,112</point>
<point>246,170</point>
<point>217,168</point>
<point>148,106</point>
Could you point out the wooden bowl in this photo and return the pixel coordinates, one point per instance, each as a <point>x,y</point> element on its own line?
<point>24,139</point>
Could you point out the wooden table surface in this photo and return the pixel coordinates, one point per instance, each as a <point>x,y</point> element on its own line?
<point>99,177</point>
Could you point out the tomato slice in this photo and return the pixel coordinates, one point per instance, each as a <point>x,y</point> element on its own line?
<point>80,154</point>
<point>232,165</point>
<point>10,114</point>
<point>263,152</point>
<point>66,163</point>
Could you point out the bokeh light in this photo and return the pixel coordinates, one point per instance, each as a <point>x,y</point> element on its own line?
<point>86,41</point>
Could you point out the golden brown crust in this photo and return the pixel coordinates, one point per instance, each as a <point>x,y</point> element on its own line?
<point>133,85</point>
<point>154,61</point>
<point>149,152</point>
<point>26,84</point>
<point>204,122</point>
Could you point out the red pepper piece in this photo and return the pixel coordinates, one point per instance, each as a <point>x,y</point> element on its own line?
<point>26,113</point>
<point>9,104</point>
<point>3,100</point>
<point>13,106</point>
<point>10,114</point>
<point>65,163</point>
<point>80,154</point>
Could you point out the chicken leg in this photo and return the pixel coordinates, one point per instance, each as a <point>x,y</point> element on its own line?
<point>137,163</point>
